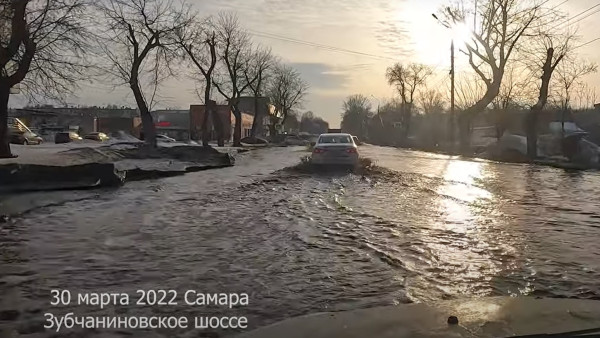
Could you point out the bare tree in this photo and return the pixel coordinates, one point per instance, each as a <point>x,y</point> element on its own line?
<point>356,115</point>
<point>518,89</point>
<point>382,127</point>
<point>546,49</point>
<point>431,101</point>
<point>586,95</point>
<point>502,24</point>
<point>292,123</point>
<point>408,79</point>
<point>313,124</point>
<point>138,41</point>
<point>257,75</point>
<point>42,49</point>
<point>431,129</point>
<point>286,91</point>
<point>234,49</point>
<point>568,75</point>
<point>199,43</point>
<point>468,90</point>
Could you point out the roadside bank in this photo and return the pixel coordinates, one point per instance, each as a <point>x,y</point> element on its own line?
<point>511,157</point>
<point>107,166</point>
<point>42,175</point>
<point>15,205</point>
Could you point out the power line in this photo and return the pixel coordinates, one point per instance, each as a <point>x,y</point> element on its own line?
<point>555,7</point>
<point>549,13</point>
<point>587,16</point>
<point>567,20</point>
<point>319,46</point>
<point>543,3</point>
<point>585,11</point>
<point>562,26</point>
<point>587,43</point>
<point>560,4</point>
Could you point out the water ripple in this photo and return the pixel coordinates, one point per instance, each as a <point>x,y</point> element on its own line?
<point>438,228</point>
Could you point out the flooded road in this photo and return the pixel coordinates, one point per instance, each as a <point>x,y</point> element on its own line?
<point>439,228</point>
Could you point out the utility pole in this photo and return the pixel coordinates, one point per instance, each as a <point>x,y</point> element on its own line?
<point>452,112</point>
<point>452,122</point>
<point>475,17</point>
<point>378,105</point>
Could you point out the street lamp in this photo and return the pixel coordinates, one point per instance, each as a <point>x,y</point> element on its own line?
<point>452,112</point>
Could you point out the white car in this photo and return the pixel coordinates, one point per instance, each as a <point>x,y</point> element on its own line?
<point>337,149</point>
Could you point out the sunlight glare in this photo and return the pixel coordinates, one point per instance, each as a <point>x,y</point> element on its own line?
<point>462,34</point>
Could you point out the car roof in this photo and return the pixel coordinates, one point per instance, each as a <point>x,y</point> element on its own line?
<point>335,134</point>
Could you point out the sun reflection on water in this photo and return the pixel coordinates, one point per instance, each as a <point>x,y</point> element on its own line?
<point>459,234</point>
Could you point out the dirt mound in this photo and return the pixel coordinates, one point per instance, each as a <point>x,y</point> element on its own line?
<point>31,177</point>
<point>114,153</point>
<point>92,167</point>
<point>180,153</point>
<point>91,155</point>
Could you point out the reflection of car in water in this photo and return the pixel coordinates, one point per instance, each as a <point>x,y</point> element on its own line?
<point>19,133</point>
<point>101,137</point>
<point>335,149</point>
<point>25,137</point>
<point>66,137</point>
<point>164,138</point>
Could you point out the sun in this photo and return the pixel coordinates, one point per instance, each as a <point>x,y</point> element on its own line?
<point>461,33</point>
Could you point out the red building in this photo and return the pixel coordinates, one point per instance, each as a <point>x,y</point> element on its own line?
<point>197,117</point>
<point>227,121</point>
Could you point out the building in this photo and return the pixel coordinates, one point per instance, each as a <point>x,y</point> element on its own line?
<point>49,120</point>
<point>173,123</point>
<point>227,119</point>
<point>197,117</point>
<point>247,120</point>
<point>248,105</point>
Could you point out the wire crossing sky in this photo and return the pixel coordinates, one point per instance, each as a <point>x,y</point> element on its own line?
<point>343,47</point>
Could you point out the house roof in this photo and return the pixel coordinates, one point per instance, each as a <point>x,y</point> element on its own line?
<point>95,112</point>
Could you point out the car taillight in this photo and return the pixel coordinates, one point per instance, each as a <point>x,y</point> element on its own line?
<point>351,150</point>
<point>318,150</point>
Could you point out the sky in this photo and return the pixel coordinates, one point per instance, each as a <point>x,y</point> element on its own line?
<point>374,34</point>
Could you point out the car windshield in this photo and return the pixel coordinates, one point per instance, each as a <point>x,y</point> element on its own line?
<point>335,139</point>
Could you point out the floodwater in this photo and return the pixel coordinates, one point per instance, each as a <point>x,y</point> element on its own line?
<point>441,228</point>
